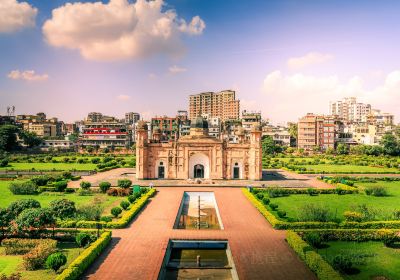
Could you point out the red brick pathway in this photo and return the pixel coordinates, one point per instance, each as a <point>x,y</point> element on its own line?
<point>259,252</point>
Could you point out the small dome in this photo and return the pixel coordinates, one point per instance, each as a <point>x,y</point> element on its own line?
<point>199,122</point>
<point>142,125</point>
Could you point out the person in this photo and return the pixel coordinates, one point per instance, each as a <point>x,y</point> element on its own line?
<point>151,185</point>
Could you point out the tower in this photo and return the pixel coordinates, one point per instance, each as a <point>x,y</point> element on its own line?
<point>255,153</point>
<point>141,150</point>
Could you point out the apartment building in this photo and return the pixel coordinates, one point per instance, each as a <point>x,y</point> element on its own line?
<point>316,131</point>
<point>104,131</point>
<point>132,117</point>
<point>223,105</point>
<point>279,134</point>
<point>42,126</point>
<point>249,119</point>
<point>171,128</point>
<point>349,110</point>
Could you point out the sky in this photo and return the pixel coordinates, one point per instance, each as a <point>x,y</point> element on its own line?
<point>284,58</point>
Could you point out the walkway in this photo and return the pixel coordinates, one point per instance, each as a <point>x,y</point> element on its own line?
<point>271,177</point>
<point>259,252</point>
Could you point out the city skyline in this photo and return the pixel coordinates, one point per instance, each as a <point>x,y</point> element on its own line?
<point>287,51</point>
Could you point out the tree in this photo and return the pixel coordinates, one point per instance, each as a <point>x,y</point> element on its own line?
<point>342,149</point>
<point>8,137</point>
<point>391,145</point>
<point>73,137</point>
<point>19,206</point>
<point>35,219</point>
<point>63,208</point>
<point>30,138</point>
<point>83,239</point>
<point>55,261</point>
<point>269,147</point>
<point>60,186</point>
<point>5,218</point>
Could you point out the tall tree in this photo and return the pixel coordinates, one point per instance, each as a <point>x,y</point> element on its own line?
<point>8,137</point>
<point>391,145</point>
<point>30,138</point>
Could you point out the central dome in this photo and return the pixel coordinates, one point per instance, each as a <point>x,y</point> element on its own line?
<point>199,122</point>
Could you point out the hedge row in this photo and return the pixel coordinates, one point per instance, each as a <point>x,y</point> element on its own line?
<point>278,224</point>
<point>86,258</point>
<point>315,262</point>
<point>353,234</point>
<point>127,216</point>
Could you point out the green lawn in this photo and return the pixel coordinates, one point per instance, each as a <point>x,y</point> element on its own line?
<point>106,201</point>
<point>338,204</point>
<point>326,168</point>
<point>13,264</point>
<point>49,166</point>
<point>378,260</point>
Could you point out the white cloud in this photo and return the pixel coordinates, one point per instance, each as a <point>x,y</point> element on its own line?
<point>288,97</point>
<point>16,15</point>
<point>123,97</point>
<point>311,58</point>
<point>28,75</point>
<point>119,29</point>
<point>176,69</point>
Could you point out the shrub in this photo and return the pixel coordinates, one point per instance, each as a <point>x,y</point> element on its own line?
<point>313,213</point>
<point>342,263</point>
<point>119,192</point>
<point>376,191</point>
<point>23,188</point>
<point>67,175</point>
<point>116,211</point>
<point>41,180</point>
<point>63,208</point>
<point>396,214</point>
<point>60,186</point>
<point>16,207</point>
<point>273,206</point>
<point>84,192</point>
<point>265,200</point>
<point>12,276</point>
<point>55,261</point>
<point>85,259</point>
<point>312,191</point>
<point>35,219</point>
<point>314,239</point>
<point>106,219</point>
<point>3,162</point>
<point>125,183</point>
<point>85,185</point>
<point>95,160</point>
<point>351,216</point>
<point>36,258</point>
<point>83,239</point>
<point>277,192</point>
<point>281,213</point>
<point>124,204</point>
<point>104,186</point>
<point>90,212</point>
<point>132,198</point>
<point>260,195</point>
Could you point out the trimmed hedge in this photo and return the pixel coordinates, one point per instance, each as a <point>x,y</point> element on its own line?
<point>126,217</point>
<point>358,235</point>
<point>279,224</point>
<point>313,260</point>
<point>86,258</point>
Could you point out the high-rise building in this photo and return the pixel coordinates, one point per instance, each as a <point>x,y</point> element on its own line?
<point>221,105</point>
<point>316,131</point>
<point>349,110</point>
<point>131,118</point>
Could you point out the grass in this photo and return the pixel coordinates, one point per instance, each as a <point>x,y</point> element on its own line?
<point>45,198</point>
<point>13,264</point>
<point>49,166</point>
<point>338,204</point>
<point>378,260</point>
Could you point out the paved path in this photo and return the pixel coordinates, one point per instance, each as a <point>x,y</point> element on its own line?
<point>271,177</point>
<point>259,252</point>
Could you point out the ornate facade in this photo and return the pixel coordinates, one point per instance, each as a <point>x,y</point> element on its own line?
<point>198,155</point>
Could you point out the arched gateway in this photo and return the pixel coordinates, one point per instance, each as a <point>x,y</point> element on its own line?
<point>199,166</point>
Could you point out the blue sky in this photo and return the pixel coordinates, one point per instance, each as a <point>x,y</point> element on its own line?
<point>285,58</point>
